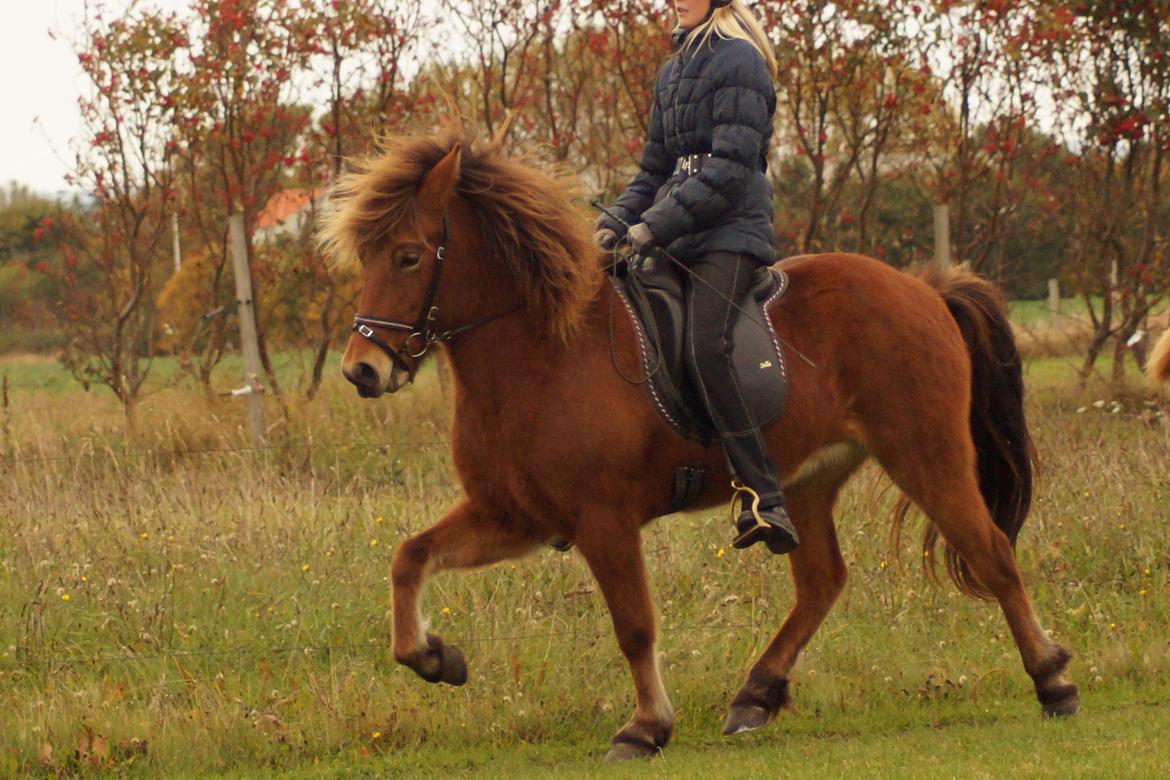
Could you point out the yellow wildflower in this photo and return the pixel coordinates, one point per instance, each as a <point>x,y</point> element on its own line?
<point>373,543</point>
<point>64,596</point>
<point>720,553</point>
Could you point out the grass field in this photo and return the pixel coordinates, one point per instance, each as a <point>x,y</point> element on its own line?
<point>175,602</point>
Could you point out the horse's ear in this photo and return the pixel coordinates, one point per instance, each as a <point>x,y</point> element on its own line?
<point>439,184</point>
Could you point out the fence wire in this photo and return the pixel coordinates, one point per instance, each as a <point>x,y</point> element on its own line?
<point>375,645</point>
<point>184,452</point>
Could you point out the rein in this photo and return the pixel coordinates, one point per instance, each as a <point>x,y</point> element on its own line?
<point>423,329</point>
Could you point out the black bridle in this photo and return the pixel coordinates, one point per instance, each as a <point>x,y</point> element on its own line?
<point>422,332</point>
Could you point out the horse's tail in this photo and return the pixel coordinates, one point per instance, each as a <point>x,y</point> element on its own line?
<point>1004,450</point>
<point>1158,368</point>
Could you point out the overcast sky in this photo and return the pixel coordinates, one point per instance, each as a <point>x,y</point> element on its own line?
<point>39,86</point>
<point>40,82</point>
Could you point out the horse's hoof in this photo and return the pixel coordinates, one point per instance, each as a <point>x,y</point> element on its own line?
<point>441,662</point>
<point>744,718</point>
<point>1063,705</point>
<point>758,700</point>
<point>627,750</point>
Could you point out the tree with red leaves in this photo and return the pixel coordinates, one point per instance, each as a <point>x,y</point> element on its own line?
<point>359,51</point>
<point>115,253</point>
<point>1109,70</point>
<point>238,127</point>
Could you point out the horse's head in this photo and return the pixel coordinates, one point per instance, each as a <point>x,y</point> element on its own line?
<point>400,273</point>
<point>450,238</point>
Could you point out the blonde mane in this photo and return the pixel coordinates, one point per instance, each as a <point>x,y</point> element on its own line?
<point>525,217</point>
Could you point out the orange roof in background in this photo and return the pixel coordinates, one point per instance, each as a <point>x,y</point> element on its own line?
<point>283,205</point>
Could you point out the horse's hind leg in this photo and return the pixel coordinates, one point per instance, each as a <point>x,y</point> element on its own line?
<point>613,551</point>
<point>818,572</point>
<point>944,486</point>
<point>469,535</point>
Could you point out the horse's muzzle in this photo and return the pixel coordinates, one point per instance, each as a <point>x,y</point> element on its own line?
<point>369,382</point>
<point>365,378</point>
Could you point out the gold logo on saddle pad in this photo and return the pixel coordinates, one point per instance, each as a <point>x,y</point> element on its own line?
<point>766,364</point>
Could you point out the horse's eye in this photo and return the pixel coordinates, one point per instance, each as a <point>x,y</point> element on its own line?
<point>407,260</point>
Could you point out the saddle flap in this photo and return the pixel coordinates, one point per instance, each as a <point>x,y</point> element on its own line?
<point>654,297</point>
<point>758,358</point>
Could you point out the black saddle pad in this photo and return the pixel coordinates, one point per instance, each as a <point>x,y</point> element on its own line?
<point>653,295</point>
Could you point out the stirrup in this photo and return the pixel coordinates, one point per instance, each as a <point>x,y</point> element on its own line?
<point>779,540</point>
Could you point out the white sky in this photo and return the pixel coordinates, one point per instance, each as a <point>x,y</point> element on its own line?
<point>39,86</point>
<point>40,83</point>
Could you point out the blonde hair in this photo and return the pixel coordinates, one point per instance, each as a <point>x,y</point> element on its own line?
<point>735,21</point>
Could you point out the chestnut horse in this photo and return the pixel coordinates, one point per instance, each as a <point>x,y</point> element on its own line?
<point>1158,367</point>
<point>550,444</point>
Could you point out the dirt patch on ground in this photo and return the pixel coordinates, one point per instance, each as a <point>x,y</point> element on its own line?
<point>25,359</point>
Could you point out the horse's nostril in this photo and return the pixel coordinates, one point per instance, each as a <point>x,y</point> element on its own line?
<point>365,374</point>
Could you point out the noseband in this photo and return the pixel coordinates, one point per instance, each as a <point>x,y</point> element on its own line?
<point>422,332</point>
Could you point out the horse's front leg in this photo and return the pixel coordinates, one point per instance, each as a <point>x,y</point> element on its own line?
<point>614,555</point>
<point>471,534</point>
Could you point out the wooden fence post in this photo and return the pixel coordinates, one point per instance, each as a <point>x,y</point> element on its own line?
<point>942,236</point>
<point>246,315</point>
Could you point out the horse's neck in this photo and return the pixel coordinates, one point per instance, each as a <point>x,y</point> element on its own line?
<point>510,361</point>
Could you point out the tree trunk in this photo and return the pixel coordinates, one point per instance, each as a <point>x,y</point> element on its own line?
<point>1117,377</point>
<point>322,346</point>
<point>1100,336</point>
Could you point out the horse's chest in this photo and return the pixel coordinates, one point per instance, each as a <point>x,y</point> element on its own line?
<point>535,457</point>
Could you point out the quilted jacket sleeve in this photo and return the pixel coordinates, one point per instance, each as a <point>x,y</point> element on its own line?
<point>657,166</point>
<point>742,108</point>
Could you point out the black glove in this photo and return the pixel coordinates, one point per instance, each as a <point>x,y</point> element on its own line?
<point>606,239</point>
<point>640,238</point>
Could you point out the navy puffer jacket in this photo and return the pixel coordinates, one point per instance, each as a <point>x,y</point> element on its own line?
<point>717,99</point>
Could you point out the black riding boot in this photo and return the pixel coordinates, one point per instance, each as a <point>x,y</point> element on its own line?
<point>770,525</point>
<point>710,322</point>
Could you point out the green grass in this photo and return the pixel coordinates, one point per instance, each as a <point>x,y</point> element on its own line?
<point>40,373</point>
<point>229,606</point>
<point>1112,738</point>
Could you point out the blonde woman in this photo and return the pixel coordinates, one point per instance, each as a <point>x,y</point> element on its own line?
<point>702,195</point>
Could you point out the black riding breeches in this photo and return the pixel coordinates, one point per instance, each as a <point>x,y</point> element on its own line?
<point>710,322</point>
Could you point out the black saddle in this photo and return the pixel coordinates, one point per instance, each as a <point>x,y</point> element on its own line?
<point>652,291</point>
